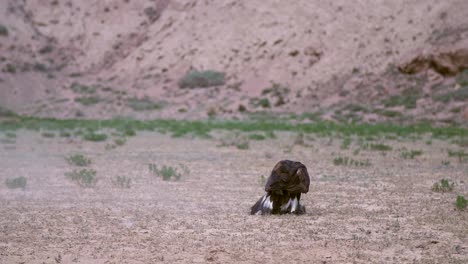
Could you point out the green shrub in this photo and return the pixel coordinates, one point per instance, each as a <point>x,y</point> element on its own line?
<point>443,185</point>
<point>78,160</point>
<point>202,79</point>
<point>380,147</point>
<point>461,203</point>
<point>3,30</point>
<point>88,100</point>
<point>122,182</point>
<point>345,161</point>
<point>166,172</point>
<point>92,136</point>
<point>82,89</point>
<point>15,183</point>
<point>120,141</point>
<point>410,154</point>
<point>85,177</point>
<point>144,104</point>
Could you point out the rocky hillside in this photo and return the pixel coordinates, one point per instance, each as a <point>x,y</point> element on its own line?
<point>344,60</point>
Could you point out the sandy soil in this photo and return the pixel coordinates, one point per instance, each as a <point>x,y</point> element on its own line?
<point>385,213</point>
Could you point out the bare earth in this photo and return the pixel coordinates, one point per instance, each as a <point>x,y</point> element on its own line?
<point>385,213</point>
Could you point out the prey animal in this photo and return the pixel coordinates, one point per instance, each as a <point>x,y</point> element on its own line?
<point>283,189</point>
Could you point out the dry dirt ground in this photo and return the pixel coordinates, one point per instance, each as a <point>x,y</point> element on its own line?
<point>384,213</point>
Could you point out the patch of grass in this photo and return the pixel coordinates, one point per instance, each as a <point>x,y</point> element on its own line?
<point>202,128</point>
<point>236,139</point>
<point>120,141</point>
<point>9,68</point>
<point>48,134</point>
<point>3,30</point>
<point>64,133</point>
<point>165,172</point>
<point>345,161</point>
<point>10,135</point>
<point>345,143</point>
<point>407,99</point>
<point>443,185</point>
<point>263,102</point>
<point>96,137</point>
<point>461,94</point>
<point>85,177</point>
<point>462,78</point>
<point>78,160</point>
<point>143,104</point>
<point>82,89</point>
<point>257,137</point>
<point>380,147</point>
<point>461,203</point>
<point>460,154</point>
<point>88,100</point>
<point>16,183</point>
<point>410,154</point>
<point>202,79</point>
<point>122,182</point>
<point>462,142</point>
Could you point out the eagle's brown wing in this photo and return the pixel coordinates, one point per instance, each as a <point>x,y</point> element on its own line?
<point>290,176</point>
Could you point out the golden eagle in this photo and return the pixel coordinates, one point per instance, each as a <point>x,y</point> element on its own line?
<point>287,181</point>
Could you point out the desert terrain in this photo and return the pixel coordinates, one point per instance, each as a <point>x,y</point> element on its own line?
<point>383,211</point>
<point>143,131</point>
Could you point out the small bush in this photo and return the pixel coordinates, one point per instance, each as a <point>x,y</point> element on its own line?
<point>410,154</point>
<point>460,154</point>
<point>144,104</point>
<point>85,177</point>
<point>202,79</point>
<point>78,160</point>
<point>345,161</point>
<point>10,68</point>
<point>345,144</point>
<point>88,100</point>
<point>92,136</point>
<point>166,172</point>
<point>443,185</point>
<point>120,141</point>
<point>257,137</point>
<point>380,147</point>
<point>48,134</point>
<point>3,30</point>
<point>15,183</point>
<point>82,89</point>
<point>122,182</point>
<point>461,203</point>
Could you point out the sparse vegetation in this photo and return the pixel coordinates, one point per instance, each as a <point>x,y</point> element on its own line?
<point>460,154</point>
<point>346,142</point>
<point>88,100</point>
<point>345,161</point>
<point>143,104</point>
<point>3,30</point>
<point>78,160</point>
<point>257,137</point>
<point>122,182</point>
<point>236,139</point>
<point>16,183</point>
<point>380,147</point>
<point>202,79</point>
<point>410,154</point>
<point>407,99</point>
<point>461,203</point>
<point>120,141</point>
<point>85,177</point>
<point>93,136</point>
<point>262,180</point>
<point>166,172</point>
<point>82,89</point>
<point>443,185</point>
<point>48,134</point>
